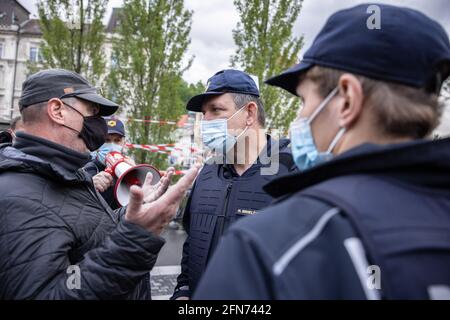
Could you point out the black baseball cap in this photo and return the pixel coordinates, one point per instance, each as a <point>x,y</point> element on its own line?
<point>115,126</point>
<point>409,48</point>
<point>59,83</point>
<point>224,81</point>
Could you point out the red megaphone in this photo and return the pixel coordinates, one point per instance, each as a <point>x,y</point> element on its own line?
<point>127,175</point>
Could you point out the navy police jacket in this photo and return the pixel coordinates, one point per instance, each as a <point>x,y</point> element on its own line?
<point>219,197</point>
<point>373,223</point>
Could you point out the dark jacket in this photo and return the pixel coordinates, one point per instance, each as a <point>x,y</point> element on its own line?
<point>51,218</point>
<point>219,197</point>
<point>372,223</point>
<point>94,167</point>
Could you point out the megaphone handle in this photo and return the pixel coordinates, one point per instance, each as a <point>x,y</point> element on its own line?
<point>110,171</point>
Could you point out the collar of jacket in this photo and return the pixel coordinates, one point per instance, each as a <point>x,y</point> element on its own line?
<point>422,162</point>
<point>31,153</point>
<point>278,146</point>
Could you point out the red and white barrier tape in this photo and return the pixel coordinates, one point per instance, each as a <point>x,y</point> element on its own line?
<point>155,121</point>
<point>148,148</point>
<point>161,122</point>
<point>176,173</point>
<point>160,148</point>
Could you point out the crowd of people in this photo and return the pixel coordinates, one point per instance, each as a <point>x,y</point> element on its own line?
<point>354,205</point>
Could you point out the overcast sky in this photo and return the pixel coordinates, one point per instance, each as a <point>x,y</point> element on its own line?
<point>213,21</point>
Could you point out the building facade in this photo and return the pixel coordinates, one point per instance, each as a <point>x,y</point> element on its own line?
<point>20,41</point>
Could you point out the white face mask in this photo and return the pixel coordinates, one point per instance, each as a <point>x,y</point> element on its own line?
<point>215,134</point>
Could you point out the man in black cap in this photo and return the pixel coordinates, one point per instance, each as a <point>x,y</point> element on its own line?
<point>230,184</point>
<point>368,216</point>
<point>59,239</point>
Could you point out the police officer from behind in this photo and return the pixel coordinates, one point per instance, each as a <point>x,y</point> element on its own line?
<point>368,215</point>
<point>230,186</point>
<point>103,181</point>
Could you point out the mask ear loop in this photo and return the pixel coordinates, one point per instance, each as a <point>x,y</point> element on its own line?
<point>322,105</point>
<point>336,140</point>
<point>240,134</point>
<point>246,127</point>
<point>237,112</point>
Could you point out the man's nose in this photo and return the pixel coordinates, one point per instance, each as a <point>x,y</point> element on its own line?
<point>207,116</point>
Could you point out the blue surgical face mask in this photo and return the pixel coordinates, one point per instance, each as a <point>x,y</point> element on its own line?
<point>215,134</point>
<point>304,149</point>
<point>106,148</point>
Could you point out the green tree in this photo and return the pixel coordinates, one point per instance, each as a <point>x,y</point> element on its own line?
<point>265,47</point>
<point>73,35</point>
<point>152,38</point>
<point>187,90</point>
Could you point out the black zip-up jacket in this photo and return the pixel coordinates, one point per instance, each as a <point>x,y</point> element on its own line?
<point>94,167</point>
<point>52,218</point>
<point>220,197</point>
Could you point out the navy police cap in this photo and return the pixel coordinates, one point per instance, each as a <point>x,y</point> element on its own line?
<point>224,81</point>
<point>115,126</point>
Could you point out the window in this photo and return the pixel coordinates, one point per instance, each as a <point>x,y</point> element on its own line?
<point>2,78</point>
<point>35,54</point>
<point>1,49</point>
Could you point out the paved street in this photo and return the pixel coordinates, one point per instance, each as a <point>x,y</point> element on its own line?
<point>167,268</point>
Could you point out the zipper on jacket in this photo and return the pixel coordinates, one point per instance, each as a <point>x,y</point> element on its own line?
<point>108,211</point>
<point>81,175</point>
<point>90,186</point>
<point>224,214</point>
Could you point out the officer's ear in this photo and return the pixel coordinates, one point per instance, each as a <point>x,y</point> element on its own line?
<point>252,114</point>
<point>350,100</point>
<point>56,112</point>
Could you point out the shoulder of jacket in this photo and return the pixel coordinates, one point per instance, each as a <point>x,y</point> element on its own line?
<point>279,226</point>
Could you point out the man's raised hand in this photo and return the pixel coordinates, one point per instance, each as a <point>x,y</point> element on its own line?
<point>153,192</point>
<point>154,216</point>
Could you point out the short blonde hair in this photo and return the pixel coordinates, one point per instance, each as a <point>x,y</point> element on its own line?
<point>399,110</point>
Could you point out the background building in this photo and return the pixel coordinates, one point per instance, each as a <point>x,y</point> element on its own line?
<point>20,40</point>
